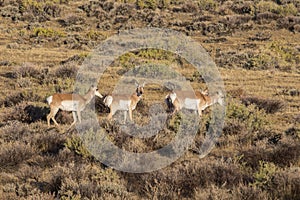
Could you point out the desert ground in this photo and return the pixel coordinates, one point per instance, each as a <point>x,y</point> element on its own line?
<point>255,46</point>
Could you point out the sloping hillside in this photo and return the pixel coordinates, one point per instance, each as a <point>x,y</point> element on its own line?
<point>256,47</point>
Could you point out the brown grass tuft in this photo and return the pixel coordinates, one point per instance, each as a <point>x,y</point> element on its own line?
<point>269,105</point>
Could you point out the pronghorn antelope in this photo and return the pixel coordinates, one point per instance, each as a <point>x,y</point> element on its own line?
<point>197,101</point>
<point>70,102</point>
<point>124,102</point>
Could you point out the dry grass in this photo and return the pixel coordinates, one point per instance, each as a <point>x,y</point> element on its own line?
<point>257,52</point>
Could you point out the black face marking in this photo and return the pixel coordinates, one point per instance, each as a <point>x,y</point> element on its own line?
<point>139,91</point>
<point>169,103</point>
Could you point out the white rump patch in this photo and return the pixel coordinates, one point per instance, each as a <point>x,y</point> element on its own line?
<point>69,105</point>
<point>108,100</point>
<point>49,99</point>
<point>191,104</point>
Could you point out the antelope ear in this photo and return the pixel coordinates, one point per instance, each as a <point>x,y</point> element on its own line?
<point>136,83</point>
<point>205,92</point>
<point>144,84</point>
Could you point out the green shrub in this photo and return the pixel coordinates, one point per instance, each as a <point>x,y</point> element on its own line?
<point>39,10</point>
<point>128,60</point>
<point>274,55</point>
<point>260,61</point>
<point>154,71</point>
<point>290,9</point>
<point>175,122</point>
<point>132,59</point>
<point>283,10</point>
<point>147,4</point>
<point>252,117</point>
<point>34,5</point>
<point>95,35</point>
<point>157,54</point>
<point>264,175</point>
<point>207,4</point>
<point>47,32</point>
<point>75,144</point>
<point>61,85</point>
<point>288,54</point>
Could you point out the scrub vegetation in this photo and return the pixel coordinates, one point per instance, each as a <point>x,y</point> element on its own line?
<point>256,47</point>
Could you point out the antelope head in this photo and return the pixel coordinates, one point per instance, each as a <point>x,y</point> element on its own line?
<point>139,89</point>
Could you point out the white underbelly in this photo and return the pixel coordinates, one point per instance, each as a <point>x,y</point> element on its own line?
<point>124,104</point>
<point>191,104</point>
<point>69,105</point>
